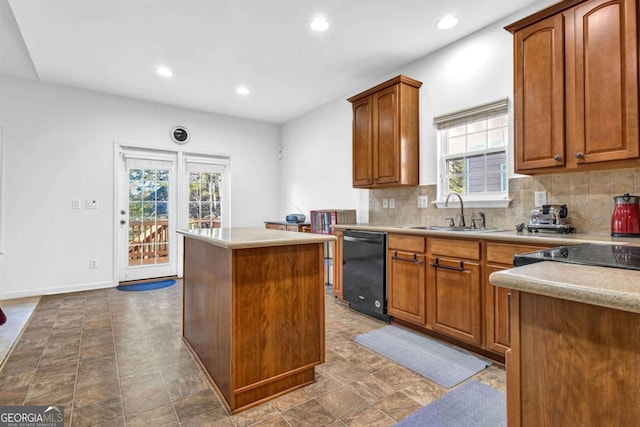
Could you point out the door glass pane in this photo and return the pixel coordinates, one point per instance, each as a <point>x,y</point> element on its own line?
<point>148,216</point>
<point>204,200</point>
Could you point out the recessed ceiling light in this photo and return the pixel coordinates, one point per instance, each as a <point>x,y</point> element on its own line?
<point>243,90</point>
<point>447,22</point>
<point>319,24</point>
<point>164,71</point>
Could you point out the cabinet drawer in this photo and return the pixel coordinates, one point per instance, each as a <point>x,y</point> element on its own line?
<point>467,249</point>
<point>407,243</point>
<point>502,253</point>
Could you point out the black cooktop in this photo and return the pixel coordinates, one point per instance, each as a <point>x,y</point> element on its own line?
<point>617,256</point>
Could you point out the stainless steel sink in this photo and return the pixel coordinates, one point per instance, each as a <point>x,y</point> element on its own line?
<point>454,228</point>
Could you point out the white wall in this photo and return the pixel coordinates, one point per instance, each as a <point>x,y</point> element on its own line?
<point>470,72</point>
<point>317,163</point>
<point>58,146</point>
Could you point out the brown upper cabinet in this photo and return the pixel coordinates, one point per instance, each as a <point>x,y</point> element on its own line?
<point>576,86</point>
<point>386,134</point>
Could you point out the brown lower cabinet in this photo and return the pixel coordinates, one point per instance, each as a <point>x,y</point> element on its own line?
<point>499,256</point>
<point>572,364</point>
<point>254,317</point>
<point>406,275</point>
<point>454,289</point>
<point>442,285</point>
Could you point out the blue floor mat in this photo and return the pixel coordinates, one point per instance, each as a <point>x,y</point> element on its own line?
<point>442,363</point>
<point>146,286</point>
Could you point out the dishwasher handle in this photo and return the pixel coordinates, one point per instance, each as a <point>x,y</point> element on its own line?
<point>362,240</point>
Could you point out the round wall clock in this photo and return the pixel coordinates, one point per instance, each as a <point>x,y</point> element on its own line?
<point>179,135</point>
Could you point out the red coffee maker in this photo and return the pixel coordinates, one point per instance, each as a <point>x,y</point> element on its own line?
<point>625,221</point>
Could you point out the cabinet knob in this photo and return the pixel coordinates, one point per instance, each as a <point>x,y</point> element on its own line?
<point>557,158</point>
<point>580,155</point>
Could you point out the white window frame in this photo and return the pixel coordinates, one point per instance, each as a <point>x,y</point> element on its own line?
<point>458,118</point>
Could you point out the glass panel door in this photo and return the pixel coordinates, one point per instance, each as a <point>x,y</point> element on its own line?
<point>205,209</point>
<point>148,216</point>
<point>147,219</point>
<point>208,191</point>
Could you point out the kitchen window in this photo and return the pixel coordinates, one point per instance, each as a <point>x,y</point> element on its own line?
<point>472,147</point>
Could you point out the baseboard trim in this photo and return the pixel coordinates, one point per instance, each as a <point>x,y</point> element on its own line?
<point>58,290</point>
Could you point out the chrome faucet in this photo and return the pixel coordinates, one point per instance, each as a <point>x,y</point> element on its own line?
<point>446,203</point>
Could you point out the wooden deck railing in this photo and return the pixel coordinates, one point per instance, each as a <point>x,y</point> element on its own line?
<point>149,240</point>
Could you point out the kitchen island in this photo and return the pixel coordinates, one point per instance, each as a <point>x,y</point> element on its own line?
<point>575,345</point>
<point>253,310</point>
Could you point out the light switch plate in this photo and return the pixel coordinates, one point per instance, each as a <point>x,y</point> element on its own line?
<point>385,203</point>
<point>92,203</point>
<point>540,199</point>
<point>392,203</point>
<point>423,201</point>
<point>75,204</point>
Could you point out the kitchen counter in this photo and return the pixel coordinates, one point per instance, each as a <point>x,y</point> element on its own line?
<point>543,238</point>
<point>606,287</point>
<point>253,310</point>
<point>575,344</point>
<point>602,286</point>
<point>238,238</point>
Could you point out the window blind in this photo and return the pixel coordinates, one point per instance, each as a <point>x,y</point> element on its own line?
<point>470,115</point>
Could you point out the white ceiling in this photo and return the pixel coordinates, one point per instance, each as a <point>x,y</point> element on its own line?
<point>212,46</point>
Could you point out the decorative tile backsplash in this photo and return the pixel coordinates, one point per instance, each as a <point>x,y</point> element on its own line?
<point>588,196</point>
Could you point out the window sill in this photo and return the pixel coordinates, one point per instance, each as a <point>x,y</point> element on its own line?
<point>487,204</point>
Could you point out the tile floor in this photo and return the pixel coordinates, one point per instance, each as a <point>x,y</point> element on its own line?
<point>116,358</point>
<point>18,311</point>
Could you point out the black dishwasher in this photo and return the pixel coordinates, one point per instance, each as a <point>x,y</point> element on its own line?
<point>364,272</point>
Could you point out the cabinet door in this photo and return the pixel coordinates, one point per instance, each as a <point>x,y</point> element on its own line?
<point>499,256</point>
<point>337,264</point>
<point>386,134</point>
<point>454,297</point>
<point>406,289</point>
<point>539,95</point>
<point>606,81</point>
<point>362,143</point>
<point>497,312</point>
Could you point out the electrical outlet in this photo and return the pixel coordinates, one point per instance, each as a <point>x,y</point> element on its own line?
<point>385,203</point>
<point>392,203</point>
<point>93,263</point>
<point>540,199</point>
<point>92,203</point>
<point>75,204</point>
<point>423,201</point>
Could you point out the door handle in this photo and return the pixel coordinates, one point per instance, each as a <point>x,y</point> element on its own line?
<point>447,267</point>
<point>414,260</point>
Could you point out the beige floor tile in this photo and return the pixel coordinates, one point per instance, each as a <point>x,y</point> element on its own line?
<point>342,402</point>
<point>99,413</point>
<point>112,356</point>
<point>309,414</point>
<point>198,403</point>
<point>397,406</point>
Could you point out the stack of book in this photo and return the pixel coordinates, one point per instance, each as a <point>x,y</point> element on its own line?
<point>322,220</point>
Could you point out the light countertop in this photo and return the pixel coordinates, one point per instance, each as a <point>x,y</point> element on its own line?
<point>603,286</point>
<point>544,238</point>
<point>241,238</point>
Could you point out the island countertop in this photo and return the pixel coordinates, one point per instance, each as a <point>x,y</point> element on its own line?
<point>248,237</point>
<point>602,286</point>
